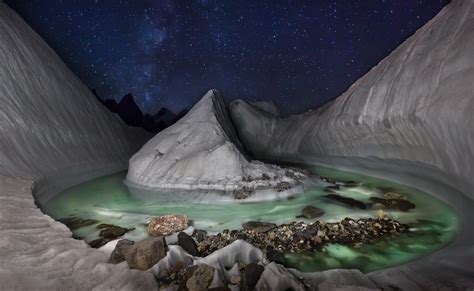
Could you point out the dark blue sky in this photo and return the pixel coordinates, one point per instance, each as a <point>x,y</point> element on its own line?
<point>300,54</point>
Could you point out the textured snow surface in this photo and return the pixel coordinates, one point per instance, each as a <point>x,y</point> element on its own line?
<point>417,104</point>
<point>410,119</point>
<point>200,151</point>
<point>52,128</point>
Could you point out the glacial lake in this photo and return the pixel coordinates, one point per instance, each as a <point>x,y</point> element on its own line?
<point>433,223</point>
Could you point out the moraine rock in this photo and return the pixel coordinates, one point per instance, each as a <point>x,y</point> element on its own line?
<point>258,226</point>
<point>118,254</point>
<point>251,275</point>
<point>167,224</point>
<point>188,244</point>
<point>201,278</point>
<point>202,152</point>
<point>144,254</point>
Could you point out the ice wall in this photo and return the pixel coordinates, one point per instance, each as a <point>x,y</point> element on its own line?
<point>417,105</point>
<point>52,128</point>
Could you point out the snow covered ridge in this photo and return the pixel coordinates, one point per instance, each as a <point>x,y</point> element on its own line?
<point>202,152</point>
<point>417,104</point>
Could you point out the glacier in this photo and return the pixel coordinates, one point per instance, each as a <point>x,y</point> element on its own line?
<point>409,120</point>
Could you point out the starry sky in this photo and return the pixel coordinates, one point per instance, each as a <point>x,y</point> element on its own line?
<point>300,54</point>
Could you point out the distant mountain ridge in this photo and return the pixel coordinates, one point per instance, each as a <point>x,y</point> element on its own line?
<point>131,113</point>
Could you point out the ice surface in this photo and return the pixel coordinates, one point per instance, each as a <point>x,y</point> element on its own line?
<point>201,152</point>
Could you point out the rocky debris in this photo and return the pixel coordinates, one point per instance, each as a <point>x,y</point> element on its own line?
<point>282,186</point>
<point>346,200</point>
<point>258,226</point>
<point>301,237</point>
<point>392,201</point>
<point>74,223</point>
<point>167,224</point>
<point>118,254</point>
<point>243,193</point>
<point>201,278</point>
<point>250,276</point>
<point>310,212</point>
<point>188,244</point>
<point>144,254</point>
<point>112,231</point>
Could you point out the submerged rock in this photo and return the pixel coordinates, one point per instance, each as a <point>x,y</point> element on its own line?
<point>311,212</point>
<point>144,254</point>
<point>167,224</point>
<point>112,231</point>
<point>74,223</point>
<point>258,226</point>
<point>393,204</point>
<point>346,200</point>
<point>201,278</point>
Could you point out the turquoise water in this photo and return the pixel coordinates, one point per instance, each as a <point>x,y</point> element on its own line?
<point>108,200</point>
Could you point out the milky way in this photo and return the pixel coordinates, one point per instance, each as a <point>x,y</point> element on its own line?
<point>300,54</point>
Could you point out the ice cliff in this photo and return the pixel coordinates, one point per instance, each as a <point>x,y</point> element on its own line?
<point>417,104</point>
<point>53,133</point>
<point>202,152</point>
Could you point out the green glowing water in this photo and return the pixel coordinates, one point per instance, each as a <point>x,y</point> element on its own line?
<point>435,224</point>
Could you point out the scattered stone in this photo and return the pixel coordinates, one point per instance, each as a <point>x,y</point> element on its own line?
<point>251,275</point>
<point>144,254</point>
<point>346,200</point>
<point>394,195</point>
<point>188,244</point>
<point>328,180</point>
<point>118,254</point>
<point>282,186</point>
<point>201,278</point>
<point>74,223</point>
<point>393,204</point>
<point>310,212</point>
<point>235,280</point>
<point>265,177</point>
<point>167,224</point>
<point>113,231</point>
<point>258,226</point>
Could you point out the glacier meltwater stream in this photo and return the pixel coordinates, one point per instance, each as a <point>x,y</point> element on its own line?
<point>433,223</point>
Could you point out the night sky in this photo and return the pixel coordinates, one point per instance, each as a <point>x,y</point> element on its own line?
<point>300,54</point>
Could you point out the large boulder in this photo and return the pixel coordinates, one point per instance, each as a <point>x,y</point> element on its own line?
<point>144,254</point>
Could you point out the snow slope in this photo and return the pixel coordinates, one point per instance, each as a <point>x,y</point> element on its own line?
<point>51,129</point>
<point>201,151</point>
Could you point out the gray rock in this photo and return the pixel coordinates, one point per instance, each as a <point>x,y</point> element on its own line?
<point>188,244</point>
<point>144,254</point>
<point>201,278</point>
<point>118,254</point>
<point>258,226</point>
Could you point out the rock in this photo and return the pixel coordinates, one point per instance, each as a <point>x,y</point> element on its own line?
<point>346,200</point>
<point>258,226</point>
<point>243,193</point>
<point>394,204</point>
<point>251,275</point>
<point>221,288</point>
<point>167,224</point>
<point>113,231</point>
<point>311,212</point>
<point>188,244</point>
<point>97,243</point>
<point>333,187</point>
<point>282,186</point>
<point>144,254</point>
<point>118,254</point>
<point>201,278</point>
<point>74,223</point>
<point>235,280</point>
